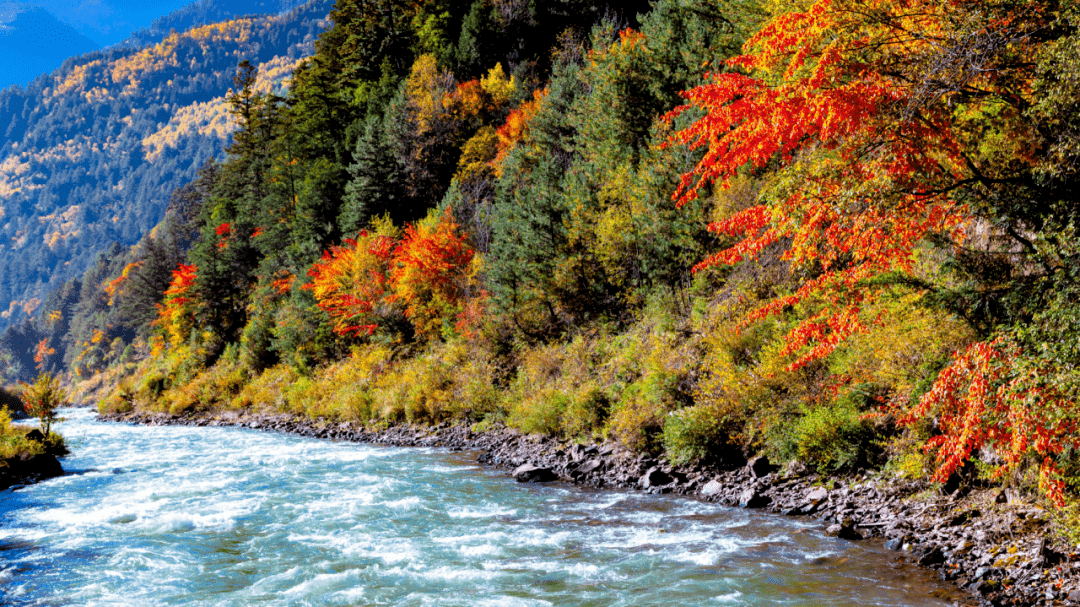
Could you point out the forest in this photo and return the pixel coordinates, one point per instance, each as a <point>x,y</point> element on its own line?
<point>838,232</point>
<point>90,152</point>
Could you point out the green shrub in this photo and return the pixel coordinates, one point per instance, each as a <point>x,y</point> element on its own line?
<point>829,438</point>
<point>699,433</point>
<point>13,441</point>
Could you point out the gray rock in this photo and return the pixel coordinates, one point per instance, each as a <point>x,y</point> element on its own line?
<point>760,466</point>
<point>817,496</point>
<point>815,499</point>
<point>528,473</point>
<point>654,477</point>
<point>845,531</point>
<point>590,466</point>
<point>752,498</point>
<point>712,487</point>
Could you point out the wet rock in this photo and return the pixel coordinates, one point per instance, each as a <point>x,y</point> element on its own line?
<point>35,435</point>
<point>654,477</point>
<point>933,556</point>
<point>896,543</point>
<point>845,531</point>
<point>752,498</point>
<point>528,473</point>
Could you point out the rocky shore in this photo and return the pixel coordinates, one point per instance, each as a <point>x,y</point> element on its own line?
<point>25,469</point>
<point>991,543</point>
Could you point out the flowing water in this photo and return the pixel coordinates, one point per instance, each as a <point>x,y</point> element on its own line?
<point>217,516</point>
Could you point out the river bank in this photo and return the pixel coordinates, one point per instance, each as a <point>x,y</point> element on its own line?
<point>989,542</point>
<point>26,468</point>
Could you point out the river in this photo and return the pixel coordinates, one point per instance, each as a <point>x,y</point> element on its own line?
<point>226,517</point>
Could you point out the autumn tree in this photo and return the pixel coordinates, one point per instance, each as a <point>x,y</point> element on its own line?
<point>885,128</point>
<point>433,275</point>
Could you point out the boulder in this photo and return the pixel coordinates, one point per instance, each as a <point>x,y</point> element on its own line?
<point>816,497</point>
<point>752,498</point>
<point>654,477</point>
<point>528,473</point>
<point>29,468</point>
<point>35,435</point>
<point>712,487</point>
<point>932,557</point>
<point>845,531</point>
<point>760,466</point>
<point>591,466</point>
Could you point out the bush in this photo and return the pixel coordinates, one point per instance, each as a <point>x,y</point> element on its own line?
<point>829,438</point>
<point>13,441</point>
<point>43,398</point>
<point>700,433</point>
<point>559,390</point>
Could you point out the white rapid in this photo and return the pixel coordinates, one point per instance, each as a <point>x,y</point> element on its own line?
<point>224,517</point>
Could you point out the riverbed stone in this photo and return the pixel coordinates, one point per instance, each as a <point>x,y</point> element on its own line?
<point>528,473</point>
<point>753,498</point>
<point>712,487</point>
<point>816,497</point>
<point>590,467</point>
<point>760,466</point>
<point>654,477</point>
<point>844,530</point>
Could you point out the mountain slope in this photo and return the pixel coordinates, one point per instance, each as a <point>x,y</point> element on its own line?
<point>33,40</point>
<point>90,154</point>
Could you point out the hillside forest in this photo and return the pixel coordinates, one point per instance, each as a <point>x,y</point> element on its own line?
<point>90,152</point>
<point>837,232</point>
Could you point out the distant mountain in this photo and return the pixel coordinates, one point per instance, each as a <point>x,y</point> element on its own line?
<point>33,41</point>
<point>203,12</point>
<point>90,153</point>
<point>36,38</point>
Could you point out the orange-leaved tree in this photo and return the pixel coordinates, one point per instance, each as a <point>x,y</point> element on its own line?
<point>175,316</point>
<point>432,274</point>
<point>881,127</point>
<point>351,283</point>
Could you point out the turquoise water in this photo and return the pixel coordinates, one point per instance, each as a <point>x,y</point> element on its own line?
<point>216,516</point>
